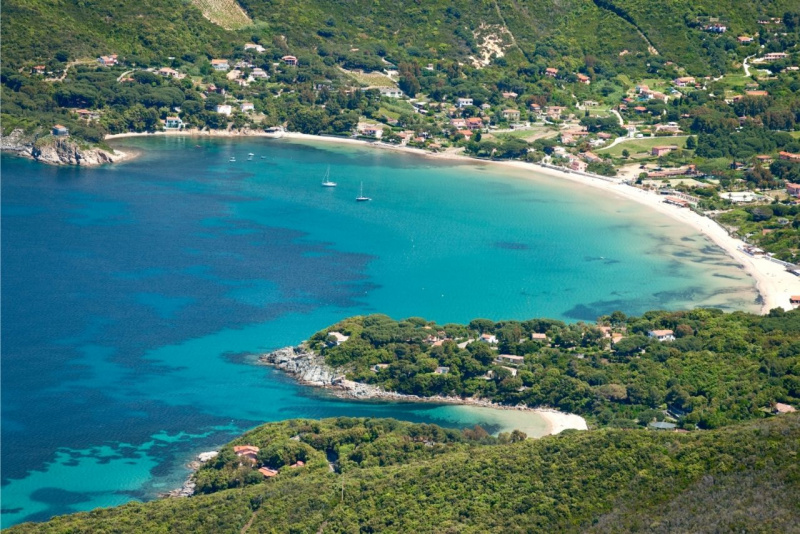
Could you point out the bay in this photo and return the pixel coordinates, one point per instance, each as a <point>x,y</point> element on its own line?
<point>133,294</point>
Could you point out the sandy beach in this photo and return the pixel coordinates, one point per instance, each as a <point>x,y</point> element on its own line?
<point>775,285</point>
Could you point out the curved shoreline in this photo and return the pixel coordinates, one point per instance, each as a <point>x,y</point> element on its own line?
<point>773,283</point>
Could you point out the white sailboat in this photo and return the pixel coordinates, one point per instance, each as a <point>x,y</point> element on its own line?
<point>361,197</point>
<point>326,181</point>
<point>250,156</point>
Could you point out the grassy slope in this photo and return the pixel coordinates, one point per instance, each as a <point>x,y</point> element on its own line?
<point>744,477</point>
<point>37,29</point>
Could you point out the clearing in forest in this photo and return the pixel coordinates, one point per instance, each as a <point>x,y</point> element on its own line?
<point>226,13</point>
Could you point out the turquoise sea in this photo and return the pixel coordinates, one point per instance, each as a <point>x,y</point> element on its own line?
<point>133,295</point>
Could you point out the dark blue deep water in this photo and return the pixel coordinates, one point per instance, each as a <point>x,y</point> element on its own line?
<point>133,294</point>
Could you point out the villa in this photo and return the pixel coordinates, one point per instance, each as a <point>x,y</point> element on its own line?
<point>246,451</point>
<point>512,370</point>
<point>662,335</point>
<point>793,189</point>
<point>60,130</point>
<point>220,64</point>
<point>474,123</point>
<point>390,92</point>
<point>511,114</point>
<point>224,109</point>
<point>510,95</point>
<point>173,123</point>
<point>463,102</point>
<point>550,71</point>
<point>108,61</point>
<point>488,338</point>
<point>338,337</point>
<point>290,60</point>
<point>247,106</point>
<point>38,69</point>
<point>774,56</point>
<point>684,81</point>
<point>539,337</point>
<point>442,370</point>
<point>744,39</point>
<point>582,78</point>
<point>259,73</point>
<point>168,72</point>
<point>510,358</point>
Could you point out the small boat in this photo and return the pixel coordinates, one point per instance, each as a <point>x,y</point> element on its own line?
<point>361,197</point>
<point>232,159</point>
<point>263,157</point>
<point>326,181</point>
<point>250,156</point>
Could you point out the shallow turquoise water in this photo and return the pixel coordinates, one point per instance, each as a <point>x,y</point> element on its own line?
<point>133,293</point>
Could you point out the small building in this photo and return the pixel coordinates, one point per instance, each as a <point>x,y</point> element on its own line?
<point>173,123</point>
<point>488,338</point>
<point>458,123</point>
<point>259,73</point>
<point>246,451</point>
<point>510,358</point>
<point>788,156</point>
<point>370,130</point>
<point>474,123</point>
<point>442,370</point>
<point>775,56</point>
<point>224,109</point>
<point>684,81</point>
<point>510,95</point>
<point>247,106</point>
<point>783,408</point>
<point>662,335</point>
<point>511,114</point>
<point>235,74</point>
<point>756,93</point>
<point>60,130</point>
<point>290,60</point>
<point>338,337</point>
<point>267,472</point>
<point>88,114</point>
<point>659,151</point>
<point>744,39</point>
<point>38,69</point>
<point>794,300</point>
<point>764,159</point>
<point>466,133</point>
<point>108,61</point>
<point>582,78</point>
<point>551,72</point>
<point>253,46</point>
<point>391,92</point>
<point>378,367</point>
<point>512,370</point>
<point>220,64</point>
<point>168,72</point>
<point>660,425</point>
<point>539,337</point>
<point>591,157</point>
<point>298,463</point>
<point>463,102</point>
<point>716,28</point>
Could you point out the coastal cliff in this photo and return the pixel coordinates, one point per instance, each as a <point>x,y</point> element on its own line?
<point>57,150</point>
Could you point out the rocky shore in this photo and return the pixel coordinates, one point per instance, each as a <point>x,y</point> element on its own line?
<point>188,487</point>
<point>57,150</point>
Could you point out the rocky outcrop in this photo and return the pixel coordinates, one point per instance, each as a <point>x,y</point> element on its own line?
<point>303,364</point>
<point>188,487</point>
<point>57,150</point>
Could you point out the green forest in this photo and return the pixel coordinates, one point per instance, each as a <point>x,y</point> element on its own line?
<point>720,368</point>
<point>387,476</point>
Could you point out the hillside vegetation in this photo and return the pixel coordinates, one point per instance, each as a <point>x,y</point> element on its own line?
<point>720,368</point>
<point>743,478</point>
<point>226,13</point>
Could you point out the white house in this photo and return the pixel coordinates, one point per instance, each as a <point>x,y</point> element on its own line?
<point>224,109</point>
<point>173,123</point>
<point>488,338</point>
<point>259,73</point>
<point>391,92</point>
<point>662,335</point>
<point>339,337</point>
<point>247,106</point>
<point>463,102</point>
<point>257,47</point>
